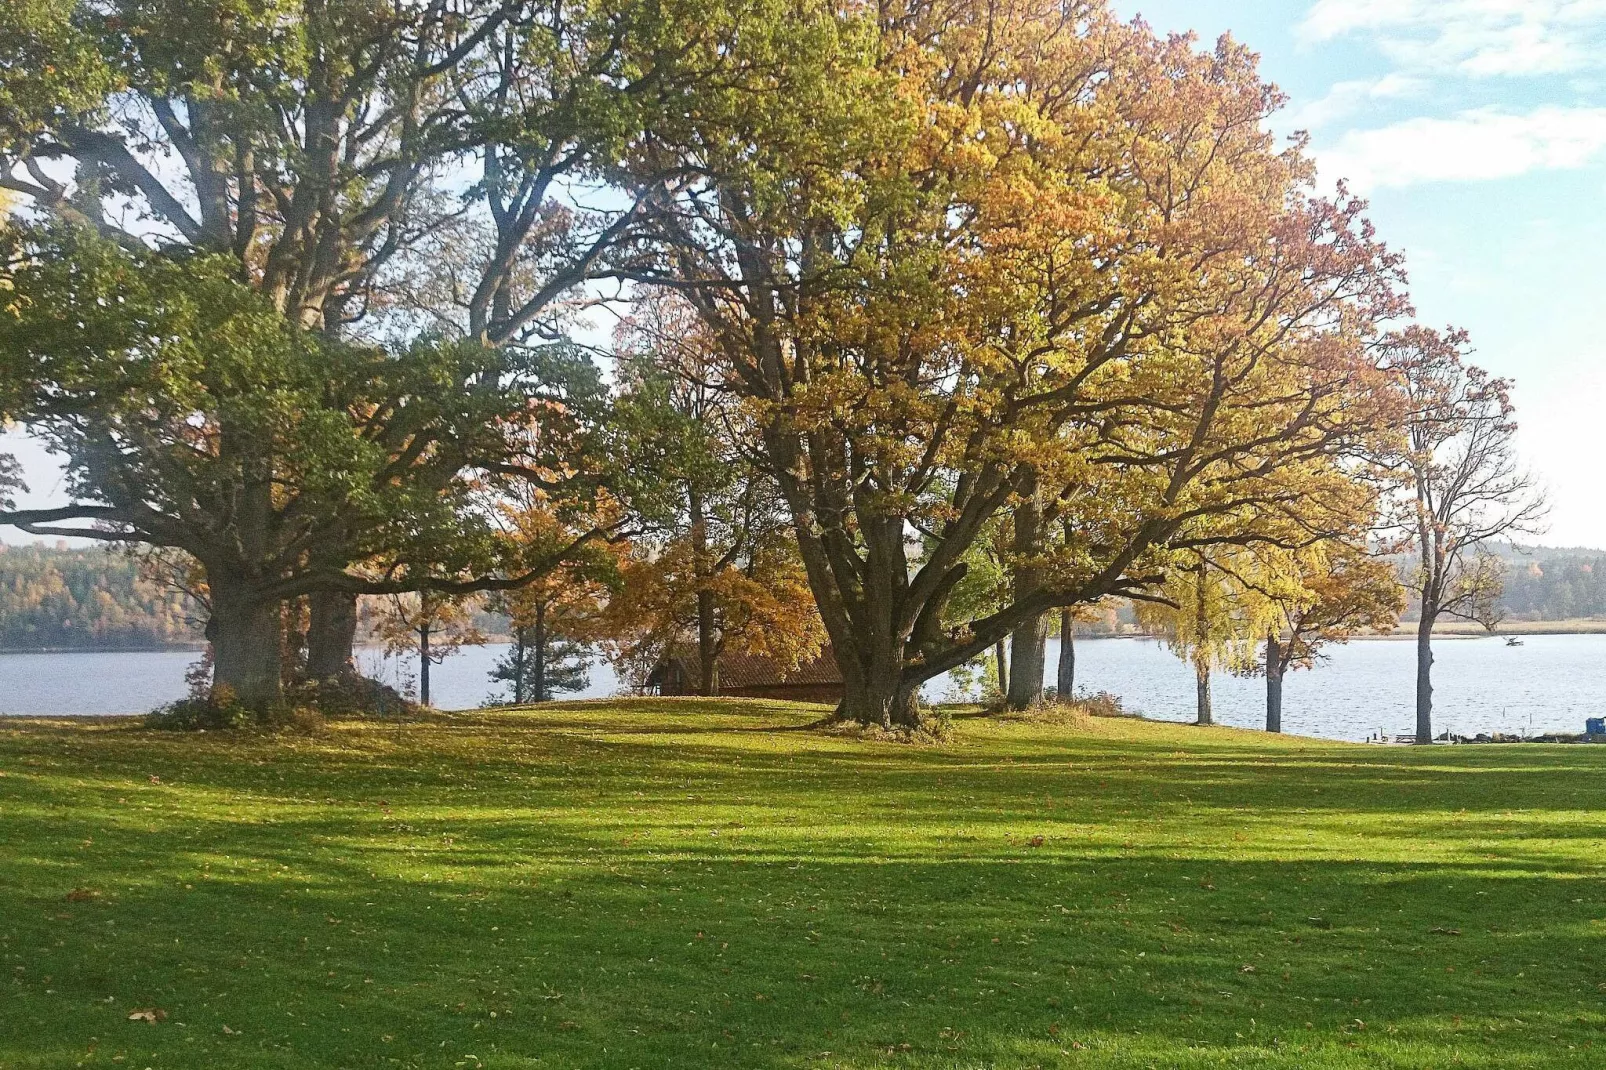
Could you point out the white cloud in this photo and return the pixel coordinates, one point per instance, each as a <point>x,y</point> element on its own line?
<point>1478,38</point>
<point>1347,98</point>
<point>1473,146</point>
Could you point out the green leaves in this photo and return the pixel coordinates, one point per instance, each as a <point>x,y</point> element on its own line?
<point>51,69</point>
<point>10,481</point>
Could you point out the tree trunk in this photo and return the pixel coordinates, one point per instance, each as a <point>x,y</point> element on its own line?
<point>331,634</point>
<point>1424,679</point>
<point>1065,677</point>
<point>1274,684</point>
<point>1201,656</point>
<point>707,647</point>
<point>707,655</point>
<point>873,691</point>
<point>1001,653</point>
<point>1028,645</point>
<point>538,684</point>
<point>423,664</point>
<point>521,654</point>
<point>244,630</point>
<point>1028,663</point>
<point>880,702</point>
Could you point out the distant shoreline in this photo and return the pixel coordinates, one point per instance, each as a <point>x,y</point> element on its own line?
<point>191,648</point>
<point>1406,631</point>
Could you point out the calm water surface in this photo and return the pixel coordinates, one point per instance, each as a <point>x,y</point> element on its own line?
<point>1550,683</point>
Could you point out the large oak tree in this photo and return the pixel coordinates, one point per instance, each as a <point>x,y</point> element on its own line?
<point>370,169</point>
<point>973,258</point>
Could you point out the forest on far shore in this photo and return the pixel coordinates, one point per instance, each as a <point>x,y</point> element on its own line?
<point>90,599</point>
<point>54,598</point>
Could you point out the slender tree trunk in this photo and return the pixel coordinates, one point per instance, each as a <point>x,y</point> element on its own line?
<point>1065,677</point>
<point>423,664</point>
<point>1424,678</point>
<point>244,630</point>
<point>707,654</point>
<point>707,644</point>
<point>331,634</point>
<point>1029,642</point>
<point>539,683</point>
<point>1001,654</point>
<point>1274,684</point>
<point>521,653</point>
<point>1201,656</point>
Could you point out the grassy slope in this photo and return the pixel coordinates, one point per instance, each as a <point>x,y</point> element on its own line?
<point>683,884</point>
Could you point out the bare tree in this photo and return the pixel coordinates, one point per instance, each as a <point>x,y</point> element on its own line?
<point>1464,489</point>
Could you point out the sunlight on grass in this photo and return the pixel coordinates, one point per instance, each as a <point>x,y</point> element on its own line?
<point>694,883</point>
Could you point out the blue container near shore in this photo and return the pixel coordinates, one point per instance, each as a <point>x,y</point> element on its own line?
<point>1595,726</point>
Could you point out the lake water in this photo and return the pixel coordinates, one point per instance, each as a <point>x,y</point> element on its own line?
<point>1550,683</point>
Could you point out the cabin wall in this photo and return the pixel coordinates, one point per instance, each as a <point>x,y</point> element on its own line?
<point>830,694</point>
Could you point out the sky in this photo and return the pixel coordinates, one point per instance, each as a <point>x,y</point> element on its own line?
<point>1477,130</point>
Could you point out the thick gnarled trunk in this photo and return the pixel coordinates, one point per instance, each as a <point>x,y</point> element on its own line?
<point>877,702</point>
<point>873,690</point>
<point>244,630</point>
<point>331,634</point>
<point>1028,663</point>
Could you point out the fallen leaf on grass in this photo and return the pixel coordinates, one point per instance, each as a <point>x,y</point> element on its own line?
<point>1035,841</point>
<point>82,895</point>
<point>150,1015</point>
<point>1442,931</point>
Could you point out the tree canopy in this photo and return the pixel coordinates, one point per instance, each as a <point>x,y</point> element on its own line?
<point>1026,253</point>
<point>950,315</point>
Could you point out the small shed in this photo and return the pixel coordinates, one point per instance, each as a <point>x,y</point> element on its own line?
<point>751,676</point>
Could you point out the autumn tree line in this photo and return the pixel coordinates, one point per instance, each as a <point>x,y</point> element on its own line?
<point>934,324</point>
<point>86,600</point>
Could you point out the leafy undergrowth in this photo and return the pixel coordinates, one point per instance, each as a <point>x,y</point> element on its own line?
<point>683,883</point>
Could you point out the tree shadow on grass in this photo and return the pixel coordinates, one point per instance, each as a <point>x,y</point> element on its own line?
<point>550,898</point>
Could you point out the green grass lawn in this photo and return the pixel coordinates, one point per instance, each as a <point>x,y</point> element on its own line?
<point>679,883</point>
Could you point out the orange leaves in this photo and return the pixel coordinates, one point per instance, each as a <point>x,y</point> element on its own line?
<point>761,604</point>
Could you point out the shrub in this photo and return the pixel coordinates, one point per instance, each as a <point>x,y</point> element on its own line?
<point>350,695</point>
<point>218,709</point>
<point>303,709</point>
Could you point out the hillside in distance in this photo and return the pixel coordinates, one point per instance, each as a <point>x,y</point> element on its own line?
<point>54,598</point>
<point>58,598</point>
